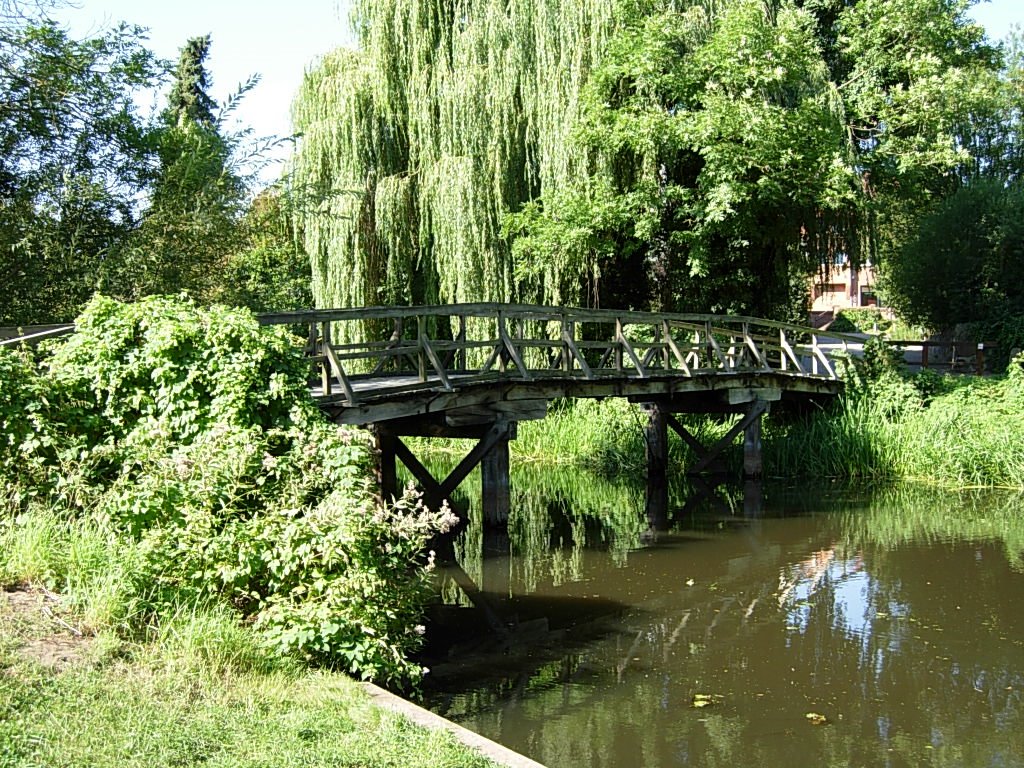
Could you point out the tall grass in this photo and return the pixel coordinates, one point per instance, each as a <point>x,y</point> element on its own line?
<point>969,435</point>
<point>89,566</point>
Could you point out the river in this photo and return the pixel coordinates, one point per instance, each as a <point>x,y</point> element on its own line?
<point>793,626</point>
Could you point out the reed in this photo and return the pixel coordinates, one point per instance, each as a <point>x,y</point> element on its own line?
<point>967,435</point>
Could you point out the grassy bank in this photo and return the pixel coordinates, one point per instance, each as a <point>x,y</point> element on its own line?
<point>201,692</point>
<point>184,540</point>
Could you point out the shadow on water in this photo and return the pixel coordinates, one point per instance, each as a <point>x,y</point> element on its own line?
<point>893,616</point>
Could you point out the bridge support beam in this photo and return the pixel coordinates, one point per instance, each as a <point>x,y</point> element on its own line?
<point>491,452</point>
<point>709,459</point>
<point>656,448</point>
<point>494,478</point>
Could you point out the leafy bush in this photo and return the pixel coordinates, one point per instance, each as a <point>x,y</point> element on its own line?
<point>24,438</point>
<point>190,433</point>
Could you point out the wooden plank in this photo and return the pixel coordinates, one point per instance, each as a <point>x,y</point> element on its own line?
<point>680,358</point>
<point>784,343</point>
<point>712,343</point>
<point>752,346</point>
<point>739,395</point>
<point>820,356</point>
<point>435,361</point>
<point>687,437</point>
<point>575,351</point>
<point>512,410</point>
<point>339,374</point>
<point>457,475</point>
<point>430,486</point>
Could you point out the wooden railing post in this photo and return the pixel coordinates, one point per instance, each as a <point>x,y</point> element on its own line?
<point>568,330</point>
<point>421,353</point>
<point>460,355</point>
<point>619,336</point>
<point>325,368</point>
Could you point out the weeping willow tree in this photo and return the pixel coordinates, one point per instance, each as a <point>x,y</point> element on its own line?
<point>677,154</point>
<point>414,147</point>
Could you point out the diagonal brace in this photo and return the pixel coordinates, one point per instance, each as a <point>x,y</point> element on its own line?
<point>708,455</point>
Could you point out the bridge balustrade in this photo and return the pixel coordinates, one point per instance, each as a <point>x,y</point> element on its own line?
<point>402,348</point>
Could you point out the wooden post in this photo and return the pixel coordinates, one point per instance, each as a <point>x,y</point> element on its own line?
<point>387,474</point>
<point>979,359</point>
<point>656,442</point>
<point>421,355</point>
<point>325,366</point>
<point>494,478</point>
<point>752,444</point>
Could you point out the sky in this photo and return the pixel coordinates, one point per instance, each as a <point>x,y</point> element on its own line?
<point>279,40</point>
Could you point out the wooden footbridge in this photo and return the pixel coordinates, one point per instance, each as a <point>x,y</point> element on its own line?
<point>476,370</point>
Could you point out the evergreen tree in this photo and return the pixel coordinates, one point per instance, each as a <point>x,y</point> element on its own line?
<point>196,198</point>
<point>189,101</point>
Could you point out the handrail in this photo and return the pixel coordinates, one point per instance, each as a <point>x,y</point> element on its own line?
<point>15,336</point>
<point>395,349</point>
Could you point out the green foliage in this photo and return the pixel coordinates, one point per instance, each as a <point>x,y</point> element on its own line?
<point>415,146</point>
<point>186,707</point>
<point>189,436</point>
<point>875,321</point>
<point>192,222</point>
<point>97,196</point>
<point>954,431</point>
<point>189,102</point>
<point>269,272</point>
<point>728,150</point>
<point>966,263</point>
<point>1007,331</point>
<point>20,437</point>
<point>342,587</point>
<point>700,156</point>
<point>73,158</point>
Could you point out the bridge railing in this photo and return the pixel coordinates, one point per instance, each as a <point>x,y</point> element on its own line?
<point>447,346</point>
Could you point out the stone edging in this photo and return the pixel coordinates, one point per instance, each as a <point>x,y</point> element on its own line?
<point>490,749</point>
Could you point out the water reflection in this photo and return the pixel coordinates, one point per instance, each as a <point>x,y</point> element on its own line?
<point>896,617</point>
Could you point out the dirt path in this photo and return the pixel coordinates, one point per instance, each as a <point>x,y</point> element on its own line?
<point>31,626</point>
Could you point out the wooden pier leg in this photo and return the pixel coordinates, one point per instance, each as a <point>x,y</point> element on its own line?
<point>656,441</point>
<point>752,466</point>
<point>494,476</point>
<point>386,453</point>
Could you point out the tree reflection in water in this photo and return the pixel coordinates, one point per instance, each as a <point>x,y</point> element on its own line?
<point>896,616</point>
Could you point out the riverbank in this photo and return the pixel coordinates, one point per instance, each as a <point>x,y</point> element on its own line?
<point>202,693</point>
<point>192,545</point>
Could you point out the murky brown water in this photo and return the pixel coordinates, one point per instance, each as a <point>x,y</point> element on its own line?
<point>884,631</point>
